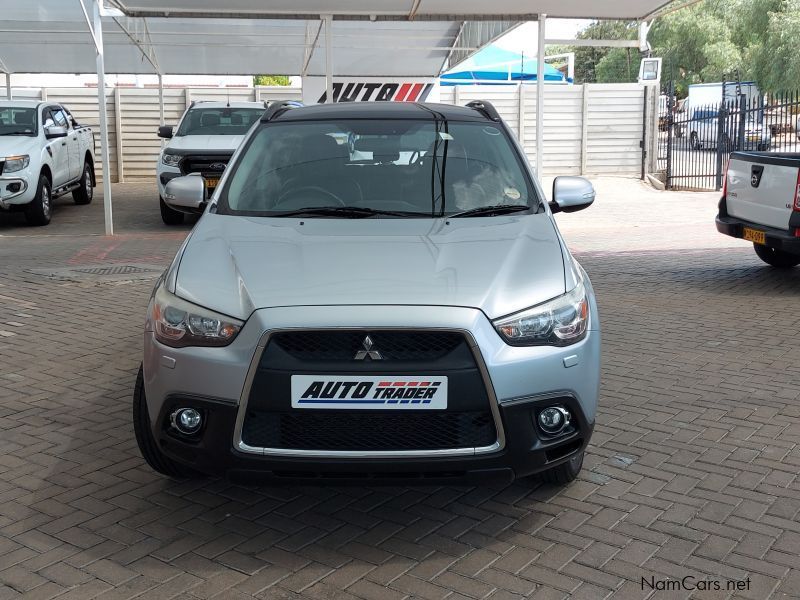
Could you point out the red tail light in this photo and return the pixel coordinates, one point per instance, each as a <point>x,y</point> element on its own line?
<point>797,193</point>
<point>725,182</point>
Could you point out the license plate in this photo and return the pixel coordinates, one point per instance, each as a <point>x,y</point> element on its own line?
<point>753,138</point>
<point>211,182</point>
<point>369,392</point>
<point>753,235</point>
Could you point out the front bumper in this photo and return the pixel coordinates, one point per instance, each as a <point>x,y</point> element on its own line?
<point>163,174</point>
<point>525,453</point>
<point>15,189</point>
<point>216,381</point>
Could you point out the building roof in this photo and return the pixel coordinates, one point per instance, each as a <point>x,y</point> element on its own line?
<point>248,37</point>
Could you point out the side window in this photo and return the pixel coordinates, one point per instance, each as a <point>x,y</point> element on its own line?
<point>47,118</point>
<point>60,117</point>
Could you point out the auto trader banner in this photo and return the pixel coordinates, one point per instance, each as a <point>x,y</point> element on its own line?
<point>371,89</point>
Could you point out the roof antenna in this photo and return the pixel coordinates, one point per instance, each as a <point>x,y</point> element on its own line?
<point>229,99</point>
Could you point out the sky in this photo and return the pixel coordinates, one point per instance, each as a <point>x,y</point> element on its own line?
<point>525,37</point>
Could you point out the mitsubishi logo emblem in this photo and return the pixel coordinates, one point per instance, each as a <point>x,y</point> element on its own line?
<point>368,351</point>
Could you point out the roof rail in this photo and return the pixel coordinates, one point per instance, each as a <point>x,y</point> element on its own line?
<point>485,108</point>
<point>278,108</point>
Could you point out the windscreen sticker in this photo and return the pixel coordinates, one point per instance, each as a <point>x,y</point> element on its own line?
<point>513,193</point>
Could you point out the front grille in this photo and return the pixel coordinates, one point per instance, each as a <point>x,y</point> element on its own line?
<point>203,164</point>
<point>344,345</point>
<point>368,430</point>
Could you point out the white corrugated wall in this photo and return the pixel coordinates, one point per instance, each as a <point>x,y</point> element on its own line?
<point>589,129</point>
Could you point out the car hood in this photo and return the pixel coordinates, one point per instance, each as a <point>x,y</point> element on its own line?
<point>11,145</point>
<point>206,143</point>
<point>500,265</point>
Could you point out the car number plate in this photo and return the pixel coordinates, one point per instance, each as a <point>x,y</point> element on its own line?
<point>369,392</point>
<point>753,235</point>
<point>211,182</point>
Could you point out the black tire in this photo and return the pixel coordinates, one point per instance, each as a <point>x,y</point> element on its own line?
<point>85,192</point>
<point>144,437</point>
<point>170,216</point>
<point>694,141</point>
<point>776,258</point>
<point>563,473</point>
<point>37,213</point>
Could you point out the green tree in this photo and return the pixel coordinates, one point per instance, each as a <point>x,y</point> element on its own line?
<point>270,80</point>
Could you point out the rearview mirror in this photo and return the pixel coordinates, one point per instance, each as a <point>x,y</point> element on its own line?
<point>165,131</point>
<point>55,131</point>
<point>571,194</point>
<point>186,194</point>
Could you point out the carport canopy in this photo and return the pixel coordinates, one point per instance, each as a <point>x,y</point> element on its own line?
<point>405,38</point>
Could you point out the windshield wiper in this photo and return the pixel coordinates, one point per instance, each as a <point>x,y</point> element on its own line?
<point>350,212</point>
<point>496,209</point>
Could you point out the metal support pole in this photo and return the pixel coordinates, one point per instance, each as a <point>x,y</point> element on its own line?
<point>329,57</point>
<point>8,86</point>
<point>540,96</point>
<point>101,99</point>
<point>160,99</point>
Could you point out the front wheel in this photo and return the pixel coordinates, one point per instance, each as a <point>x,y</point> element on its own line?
<point>776,258</point>
<point>694,141</point>
<point>38,211</point>
<point>170,216</point>
<point>85,191</point>
<point>144,437</point>
<point>565,472</point>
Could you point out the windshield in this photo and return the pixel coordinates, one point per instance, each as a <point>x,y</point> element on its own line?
<point>219,121</point>
<point>17,120</point>
<point>414,168</point>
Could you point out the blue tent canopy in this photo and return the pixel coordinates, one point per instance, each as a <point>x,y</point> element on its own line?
<point>493,64</point>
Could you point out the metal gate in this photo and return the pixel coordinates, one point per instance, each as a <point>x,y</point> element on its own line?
<point>696,141</point>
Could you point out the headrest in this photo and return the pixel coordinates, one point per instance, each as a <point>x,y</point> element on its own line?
<point>209,119</point>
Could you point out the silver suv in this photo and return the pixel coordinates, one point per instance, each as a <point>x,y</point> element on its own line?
<point>375,292</point>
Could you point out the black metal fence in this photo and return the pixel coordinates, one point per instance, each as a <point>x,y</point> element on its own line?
<point>696,141</point>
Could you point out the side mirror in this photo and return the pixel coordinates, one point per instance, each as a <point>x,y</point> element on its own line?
<point>165,131</point>
<point>55,131</point>
<point>186,194</point>
<point>571,194</point>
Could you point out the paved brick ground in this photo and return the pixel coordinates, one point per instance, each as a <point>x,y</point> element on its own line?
<point>693,469</point>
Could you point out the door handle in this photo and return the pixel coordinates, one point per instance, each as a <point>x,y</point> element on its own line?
<point>75,138</point>
<point>63,143</point>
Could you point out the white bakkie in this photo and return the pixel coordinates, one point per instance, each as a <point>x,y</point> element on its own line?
<point>761,204</point>
<point>203,142</point>
<point>44,153</point>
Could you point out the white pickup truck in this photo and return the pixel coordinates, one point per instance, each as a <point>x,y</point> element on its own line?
<point>44,153</point>
<point>761,204</point>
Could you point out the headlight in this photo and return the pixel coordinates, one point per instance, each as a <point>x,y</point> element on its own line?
<point>179,323</point>
<point>16,163</point>
<point>559,322</point>
<point>171,160</point>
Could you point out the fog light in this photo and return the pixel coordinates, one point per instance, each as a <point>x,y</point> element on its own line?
<point>554,419</point>
<point>186,420</point>
<point>14,187</point>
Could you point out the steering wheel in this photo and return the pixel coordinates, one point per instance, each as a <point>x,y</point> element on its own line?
<point>308,189</point>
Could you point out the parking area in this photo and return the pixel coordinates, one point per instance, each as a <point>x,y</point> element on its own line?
<point>692,471</point>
